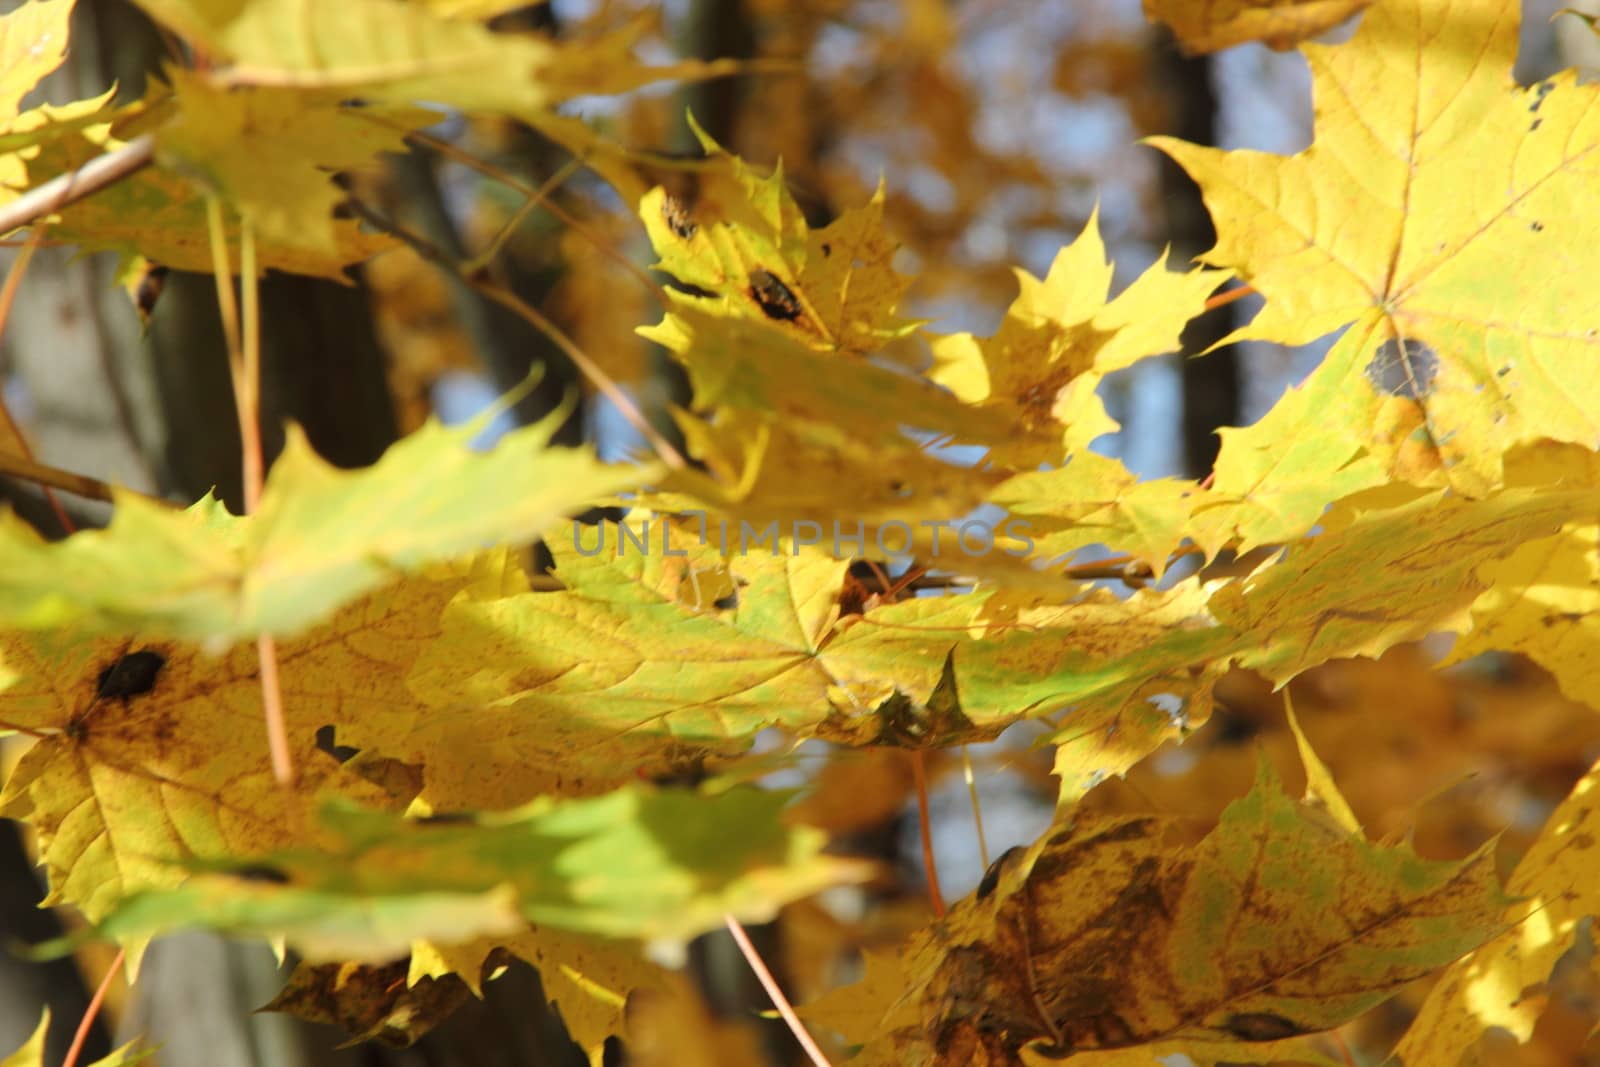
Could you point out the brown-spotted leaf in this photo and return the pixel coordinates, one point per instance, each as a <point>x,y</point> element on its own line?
<point>1109,935</point>
<point>148,753</point>
<point>373,1002</point>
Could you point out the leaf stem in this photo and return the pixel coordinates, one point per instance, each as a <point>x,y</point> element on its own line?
<point>250,418</point>
<point>244,363</point>
<point>1228,296</point>
<point>770,984</point>
<point>272,707</point>
<point>93,1010</point>
<point>75,185</point>
<point>919,773</point>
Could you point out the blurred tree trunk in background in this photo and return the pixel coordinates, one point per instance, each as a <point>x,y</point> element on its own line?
<point>1211,385</point>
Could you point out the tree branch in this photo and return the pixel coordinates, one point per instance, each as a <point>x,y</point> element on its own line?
<point>74,185</point>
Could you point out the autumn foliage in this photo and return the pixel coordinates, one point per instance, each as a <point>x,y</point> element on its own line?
<point>522,742</point>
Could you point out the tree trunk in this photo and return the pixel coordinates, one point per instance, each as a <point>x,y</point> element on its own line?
<point>1211,386</point>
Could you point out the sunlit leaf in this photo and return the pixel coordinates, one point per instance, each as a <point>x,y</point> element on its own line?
<point>1430,173</point>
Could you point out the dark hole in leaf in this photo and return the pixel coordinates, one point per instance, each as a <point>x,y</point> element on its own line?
<point>775,298</point>
<point>326,742</point>
<point>260,873</point>
<point>134,674</point>
<point>612,1054</point>
<point>1536,226</point>
<point>1262,1026</point>
<point>1403,367</point>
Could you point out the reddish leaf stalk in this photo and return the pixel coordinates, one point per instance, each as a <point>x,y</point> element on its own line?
<point>244,363</point>
<point>770,984</point>
<point>1228,296</point>
<point>93,1010</point>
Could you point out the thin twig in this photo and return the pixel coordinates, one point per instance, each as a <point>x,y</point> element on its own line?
<point>540,197</point>
<point>519,307</point>
<point>925,828</point>
<point>74,185</point>
<point>74,483</point>
<point>511,181</point>
<point>770,984</point>
<point>93,1010</point>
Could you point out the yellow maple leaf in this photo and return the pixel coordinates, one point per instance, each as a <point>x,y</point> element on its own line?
<point>33,42</point>
<point>31,1054</point>
<point>272,152</point>
<point>1209,25</point>
<point>1496,986</point>
<point>1444,215</point>
<point>588,978</point>
<point>743,242</point>
<point>1060,337</point>
<point>147,752</point>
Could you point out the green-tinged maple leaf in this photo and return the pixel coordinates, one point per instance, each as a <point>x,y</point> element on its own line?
<point>1108,939</point>
<point>401,52</point>
<point>147,752</point>
<point>656,865</point>
<point>321,537</point>
<point>1391,566</point>
<point>1210,25</point>
<point>1499,984</point>
<point>1060,337</point>
<point>31,1054</point>
<point>1443,213</point>
<point>643,663</point>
